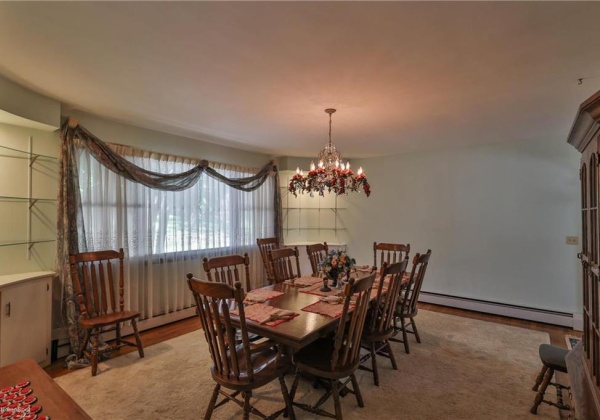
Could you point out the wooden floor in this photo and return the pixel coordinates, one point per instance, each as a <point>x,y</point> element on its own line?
<point>159,334</point>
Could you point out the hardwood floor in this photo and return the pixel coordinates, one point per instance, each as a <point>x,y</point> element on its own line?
<point>166,332</point>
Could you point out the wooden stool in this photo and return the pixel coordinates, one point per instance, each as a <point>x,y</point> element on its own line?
<point>553,358</point>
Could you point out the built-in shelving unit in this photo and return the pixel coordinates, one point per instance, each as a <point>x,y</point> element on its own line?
<point>309,219</point>
<point>29,200</point>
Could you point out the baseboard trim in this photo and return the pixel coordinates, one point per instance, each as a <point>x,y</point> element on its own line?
<point>514,311</point>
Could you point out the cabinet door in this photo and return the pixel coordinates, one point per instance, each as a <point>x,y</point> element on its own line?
<point>25,322</point>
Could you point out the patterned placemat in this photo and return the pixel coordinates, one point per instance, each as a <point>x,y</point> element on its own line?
<point>261,295</point>
<point>314,290</point>
<point>304,281</point>
<point>265,314</point>
<point>327,309</point>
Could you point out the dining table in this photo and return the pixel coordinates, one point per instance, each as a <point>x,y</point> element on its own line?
<point>304,328</point>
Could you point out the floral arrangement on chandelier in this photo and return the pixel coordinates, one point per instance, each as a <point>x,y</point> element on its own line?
<point>331,174</point>
<point>336,262</point>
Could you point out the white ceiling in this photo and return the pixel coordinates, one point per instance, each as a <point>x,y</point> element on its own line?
<point>403,76</point>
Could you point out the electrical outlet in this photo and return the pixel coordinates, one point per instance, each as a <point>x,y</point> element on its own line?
<point>572,240</point>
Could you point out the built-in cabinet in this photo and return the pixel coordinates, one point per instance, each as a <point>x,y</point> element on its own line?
<point>25,320</point>
<point>584,371</point>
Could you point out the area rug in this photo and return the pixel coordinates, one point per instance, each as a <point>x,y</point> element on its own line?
<point>463,369</point>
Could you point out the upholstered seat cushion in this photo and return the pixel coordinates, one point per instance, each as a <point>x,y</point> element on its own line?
<point>554,357</point>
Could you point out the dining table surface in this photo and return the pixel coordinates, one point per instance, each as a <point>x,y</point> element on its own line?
<point>302,329</point>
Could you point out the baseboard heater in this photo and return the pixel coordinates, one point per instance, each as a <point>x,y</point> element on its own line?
<point>514,311</point>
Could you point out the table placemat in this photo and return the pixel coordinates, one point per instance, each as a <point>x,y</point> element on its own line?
<point>261,295</point>
<point>327,309</point>
<point>266,314</point>
<point>314,290</point>
<point>304,281</point>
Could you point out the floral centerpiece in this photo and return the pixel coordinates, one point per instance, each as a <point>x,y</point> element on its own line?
<point>335,263</point>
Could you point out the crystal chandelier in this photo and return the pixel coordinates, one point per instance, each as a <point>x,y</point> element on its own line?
<point>330,174</point>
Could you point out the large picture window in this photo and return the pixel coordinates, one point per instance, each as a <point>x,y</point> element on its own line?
<point>166,234</point>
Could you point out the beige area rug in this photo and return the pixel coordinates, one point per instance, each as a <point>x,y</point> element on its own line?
<point>464,369</point>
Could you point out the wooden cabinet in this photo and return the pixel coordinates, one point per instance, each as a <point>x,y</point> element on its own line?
<point>585,372</point>
<point>25,318</point>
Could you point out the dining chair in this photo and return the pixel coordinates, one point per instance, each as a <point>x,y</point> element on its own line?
<point>316,253</point>
<point>337,357</point>
<point>239,367</point>
<point>406,308</point>
<point>282,260</point>
<point>226,269</point>
<point>389,253</point>
<point>264,245</point>
<point>97,290</point>
<point>379,326</point>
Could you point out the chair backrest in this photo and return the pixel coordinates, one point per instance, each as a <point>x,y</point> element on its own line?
<point>282,261</point>
<point>226,269</point>
<point>316,253</point>
<point>213,302</point>
<point>383,306</point>
<point>95,283</point>
<point>389,253</point>
<point>346,349</point>
<point>410,294</point>
<point>264,245</point>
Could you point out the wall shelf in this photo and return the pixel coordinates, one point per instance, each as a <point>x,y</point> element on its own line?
<point>30,243</point>
<point>31,158</point>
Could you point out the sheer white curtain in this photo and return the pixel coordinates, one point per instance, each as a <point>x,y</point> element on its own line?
<point>166,235</point>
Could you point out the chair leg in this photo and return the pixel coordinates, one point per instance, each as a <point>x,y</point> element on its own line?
<point>539,378</point>
<point>138,341</point>
<point>405,336</point>
<point>294,385</point>
<point>374,364</point>
<point>540,395</point>
<point>118,333</point>
<point>289,409</point>
<point>213,401</point>
<point>415,330</point>
<point>83,344</point>
<point>391,355</point>
<point>247,406</point>
<point>95,341</point>
<point>335,389</point>
<point>356,389</point>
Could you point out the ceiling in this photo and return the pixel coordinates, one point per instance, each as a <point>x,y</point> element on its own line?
<point>258,75</point>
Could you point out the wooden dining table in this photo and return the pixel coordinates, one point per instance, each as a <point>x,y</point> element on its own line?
<point>301,330</point>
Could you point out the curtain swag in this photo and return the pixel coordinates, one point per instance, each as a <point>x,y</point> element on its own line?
<point>70,221</point>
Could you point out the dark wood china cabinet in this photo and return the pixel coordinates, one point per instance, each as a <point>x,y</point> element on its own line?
<point>584,368</point>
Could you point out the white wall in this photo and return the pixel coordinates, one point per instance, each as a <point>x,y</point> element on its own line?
<point>495,217</point>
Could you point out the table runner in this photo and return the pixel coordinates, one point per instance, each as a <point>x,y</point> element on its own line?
<point>260,295</point>
<point>327,309</point>
<point>261,313</point>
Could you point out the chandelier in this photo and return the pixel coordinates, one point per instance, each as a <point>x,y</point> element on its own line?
<point>331,173</point>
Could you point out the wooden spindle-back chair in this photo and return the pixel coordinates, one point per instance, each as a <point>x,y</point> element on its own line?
<point>233,366</point>
<point>316,253</point>
<point>406,309</point>
<point>379,326</point>
<point>283,261</point>
<point>100,295</point>
<point>264,245</point>
<point>226,269</point>
<point>389,253</point>
<point>337,357</point>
